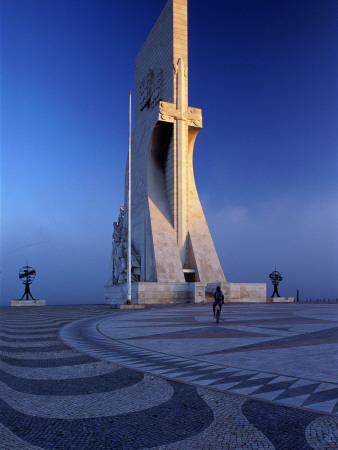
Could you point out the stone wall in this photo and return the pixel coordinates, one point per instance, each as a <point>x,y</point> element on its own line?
<point>161,293</point>
<point>238,292</point>
<point>247,292</point>
<point>156,293</point>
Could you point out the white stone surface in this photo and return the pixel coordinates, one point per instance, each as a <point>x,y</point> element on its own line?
<point>280,299</point>
<point>247,292</point>
<point>28,302</point>
<point>155,292</point>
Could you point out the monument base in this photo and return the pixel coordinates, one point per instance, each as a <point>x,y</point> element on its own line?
<point>238,292</point>
<point>165,293</point>
<point>28,302</point>
<point>117,306</point>
<point>144,293</point>
<point>280,300</point>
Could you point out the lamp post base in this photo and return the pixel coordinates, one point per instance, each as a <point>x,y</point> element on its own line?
<point>280,300</point>
<point>28,302</point>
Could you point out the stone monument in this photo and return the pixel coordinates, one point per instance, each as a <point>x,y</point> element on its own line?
<point>173,255</point>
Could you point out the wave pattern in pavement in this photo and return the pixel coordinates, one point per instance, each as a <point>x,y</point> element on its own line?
<point>76,401</point>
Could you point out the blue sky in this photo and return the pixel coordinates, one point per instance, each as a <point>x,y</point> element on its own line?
<point>263,72</point>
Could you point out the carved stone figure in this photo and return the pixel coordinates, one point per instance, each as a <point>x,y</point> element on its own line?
<point>135,265</point>
<point>120,252</point>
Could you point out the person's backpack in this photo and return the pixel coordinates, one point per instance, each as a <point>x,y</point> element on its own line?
<point>218,295</point>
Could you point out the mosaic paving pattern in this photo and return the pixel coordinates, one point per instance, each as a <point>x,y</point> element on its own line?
<point>184,350</point>
<point>54,397</point>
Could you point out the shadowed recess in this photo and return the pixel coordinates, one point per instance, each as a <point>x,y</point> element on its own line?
<point>284,427</point>
<point>80,386</point>
<point>183,416</point>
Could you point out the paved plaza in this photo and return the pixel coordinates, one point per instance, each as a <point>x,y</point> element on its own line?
<point>169,377</point>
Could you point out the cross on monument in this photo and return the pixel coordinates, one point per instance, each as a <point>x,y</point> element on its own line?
<point>183,117</point>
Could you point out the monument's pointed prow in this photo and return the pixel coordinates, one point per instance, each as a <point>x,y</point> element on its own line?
<point>173,255</point>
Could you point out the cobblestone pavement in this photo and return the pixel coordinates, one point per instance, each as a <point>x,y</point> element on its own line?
<point>109,394</point>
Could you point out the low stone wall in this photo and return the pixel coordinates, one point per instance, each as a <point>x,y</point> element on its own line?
<point>238,292</point>
<point>156,293</point>
<point>166,293</point>
<point>247,292</point>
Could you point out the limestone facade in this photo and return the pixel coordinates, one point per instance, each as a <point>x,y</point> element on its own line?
<point>170,235</point>
<point>169,230</point>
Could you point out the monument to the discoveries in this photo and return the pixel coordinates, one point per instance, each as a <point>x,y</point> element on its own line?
<point>173,255</point>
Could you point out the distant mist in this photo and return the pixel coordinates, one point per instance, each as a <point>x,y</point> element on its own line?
<point>301,241</point>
